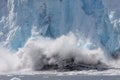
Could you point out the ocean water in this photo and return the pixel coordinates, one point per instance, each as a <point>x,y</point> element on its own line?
<point>52,77</point>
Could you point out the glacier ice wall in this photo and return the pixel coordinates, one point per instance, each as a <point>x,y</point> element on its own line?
<point>94,20</point>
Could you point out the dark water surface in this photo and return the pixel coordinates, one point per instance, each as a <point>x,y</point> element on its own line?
<point>54,77</point>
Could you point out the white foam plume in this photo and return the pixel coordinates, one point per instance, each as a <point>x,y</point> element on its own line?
<point>8,60</point>
<point>44,51</point>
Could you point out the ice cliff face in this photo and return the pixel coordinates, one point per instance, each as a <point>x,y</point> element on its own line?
<point>94,20</point>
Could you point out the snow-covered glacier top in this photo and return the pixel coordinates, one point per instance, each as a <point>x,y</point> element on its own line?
<point>97,21</point>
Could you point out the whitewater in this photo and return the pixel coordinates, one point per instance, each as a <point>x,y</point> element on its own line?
<point>59,37</point>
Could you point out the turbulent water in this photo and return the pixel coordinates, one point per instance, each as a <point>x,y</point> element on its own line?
<point>59,35</point>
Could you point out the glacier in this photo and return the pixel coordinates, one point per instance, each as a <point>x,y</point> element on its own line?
<point>59,35</point>
<point>94,21</point>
